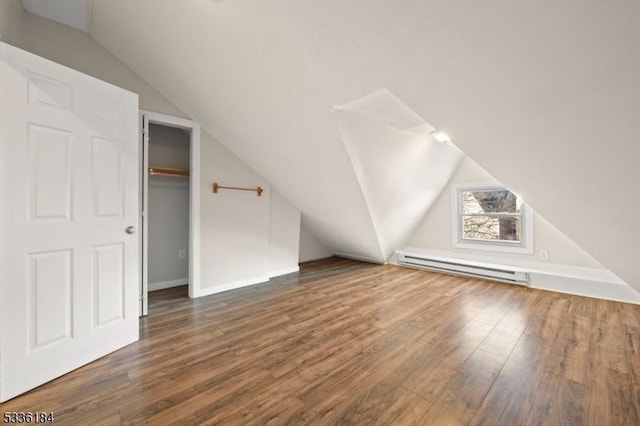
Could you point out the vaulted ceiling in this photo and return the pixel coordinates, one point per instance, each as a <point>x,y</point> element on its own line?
<point>544,95</point>
<point>73,13</point>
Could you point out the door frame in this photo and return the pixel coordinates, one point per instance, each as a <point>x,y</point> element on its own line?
<point>147,117</point>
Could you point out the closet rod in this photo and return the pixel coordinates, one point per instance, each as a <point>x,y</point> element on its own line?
<point>165,171</point>
<point>216,187</point>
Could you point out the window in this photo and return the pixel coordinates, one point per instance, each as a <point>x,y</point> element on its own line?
<point>490,217</point>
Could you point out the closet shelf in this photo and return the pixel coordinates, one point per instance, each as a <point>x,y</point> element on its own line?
<point>165,171</point>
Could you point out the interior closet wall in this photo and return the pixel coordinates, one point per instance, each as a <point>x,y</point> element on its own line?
<point>168,210</point>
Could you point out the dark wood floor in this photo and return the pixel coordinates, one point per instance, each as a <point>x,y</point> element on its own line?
<point>344,342</point>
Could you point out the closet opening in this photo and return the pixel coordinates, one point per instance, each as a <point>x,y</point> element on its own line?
<point>169,207</point>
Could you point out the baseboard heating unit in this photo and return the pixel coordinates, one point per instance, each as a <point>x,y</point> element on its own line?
<point>466,268</point>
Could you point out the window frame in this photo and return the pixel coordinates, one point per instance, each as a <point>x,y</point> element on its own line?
<point>524,246</point>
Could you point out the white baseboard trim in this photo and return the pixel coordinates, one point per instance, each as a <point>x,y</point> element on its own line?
<point>618,292</point>
<point>358,257</point>
<point>230,286</point>
<point>168,284</point>
<point>283,271</point>
<point>317,257</point>
<point>579,281</point>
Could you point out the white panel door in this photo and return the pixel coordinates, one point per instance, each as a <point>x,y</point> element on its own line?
<point>69,191</point>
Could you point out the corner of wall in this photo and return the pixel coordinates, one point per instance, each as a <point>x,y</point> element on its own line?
<point>311,248</point>
<point>284,236</point>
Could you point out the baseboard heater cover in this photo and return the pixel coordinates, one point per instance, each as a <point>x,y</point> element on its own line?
<point>459,267</point>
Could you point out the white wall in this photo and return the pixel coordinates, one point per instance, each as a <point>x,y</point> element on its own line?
<point>284,236</point>
<point>311,248</point>
<point>435,231</point>
<point>245,239</point>
<point>168,209</point>
<point>234,224</point>
<point>9,9</point>
<point>569,269</point>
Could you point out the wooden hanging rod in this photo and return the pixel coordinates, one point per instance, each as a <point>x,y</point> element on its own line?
<point>165,171</point>
<point>216,187</point>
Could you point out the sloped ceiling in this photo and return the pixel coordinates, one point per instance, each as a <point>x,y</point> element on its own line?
<point>73,13</point>
<point>544,95</point>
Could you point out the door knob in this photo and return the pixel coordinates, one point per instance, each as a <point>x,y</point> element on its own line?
<point>130,230</point>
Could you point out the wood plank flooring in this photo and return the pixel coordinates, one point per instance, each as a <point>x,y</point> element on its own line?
<point>345,342</point>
